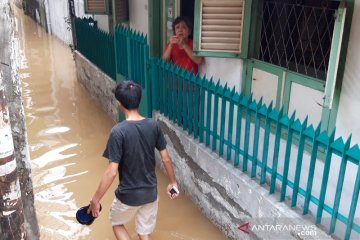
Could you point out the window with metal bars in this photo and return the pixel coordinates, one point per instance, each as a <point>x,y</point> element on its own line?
<point>297,35</point>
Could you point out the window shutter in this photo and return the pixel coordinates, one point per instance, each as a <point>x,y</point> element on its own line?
<point>121,11</point>
<point>221,25</point>
<point>96,6</point>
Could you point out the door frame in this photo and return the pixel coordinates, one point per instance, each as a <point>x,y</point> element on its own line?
<point>269,68</point>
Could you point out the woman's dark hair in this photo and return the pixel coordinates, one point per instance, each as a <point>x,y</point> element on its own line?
<point>128,93</point>
<point>182,19</point>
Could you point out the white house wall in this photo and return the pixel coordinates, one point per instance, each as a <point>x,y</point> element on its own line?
<point>57,12</point>
<point>102,22</point>
<point>139,19</point>
<point>228,70</point>
<point>348,114</point>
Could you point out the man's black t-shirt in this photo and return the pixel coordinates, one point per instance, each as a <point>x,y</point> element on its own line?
<point>132,144</point>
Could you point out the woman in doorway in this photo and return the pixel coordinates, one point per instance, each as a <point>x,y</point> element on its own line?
<point>179,49</point>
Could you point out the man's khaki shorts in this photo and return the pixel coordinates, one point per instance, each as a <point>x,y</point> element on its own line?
<point>146,214</point>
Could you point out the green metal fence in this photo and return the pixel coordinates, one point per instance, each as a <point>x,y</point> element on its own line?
<point>132,54</point>
<point>245,132</point>
<point>96,45</point>
<point>132,59</point>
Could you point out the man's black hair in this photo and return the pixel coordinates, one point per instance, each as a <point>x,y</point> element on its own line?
<point>182,19</point>
<point>128,93</point>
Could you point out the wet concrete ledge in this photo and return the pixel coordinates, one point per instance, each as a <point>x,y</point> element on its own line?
<point>229,197</point>
<point>225,195</point>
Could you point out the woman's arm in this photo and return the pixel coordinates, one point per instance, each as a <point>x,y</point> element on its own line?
<point>167,53</point>
<point>189,52</point>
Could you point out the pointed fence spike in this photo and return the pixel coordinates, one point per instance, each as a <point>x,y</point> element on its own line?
<point>318,129</point>
<point>253,106</point>
<point>243,100</point>
<point>310,131</point>
<point>212,87</point>
<point>189,74</point>
<point>193,79</point>
<point>218,83</point>
<point>270,106</point>
<point>293,116</point>
<point>297,125</point>
<point>233,91</point>
<point>274,114</point>
<point>281,111</point>
<point>198,80</point>
<point>259,105</point>
<point>354,154</point>
<point>323,138</point>
<point>250,98</point>
<point>332,135</point>
<point>228,94</point>
<point>219,89</point>
<point>338,145</point>
<point>305,121</point>
<point>263,110</point>
<point>285,120</point>
<point>348,141</point>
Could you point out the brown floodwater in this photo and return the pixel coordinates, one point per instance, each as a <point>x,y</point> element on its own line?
<point>67,132</point>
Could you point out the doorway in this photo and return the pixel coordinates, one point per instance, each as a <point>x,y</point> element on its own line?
<point>171,9</point>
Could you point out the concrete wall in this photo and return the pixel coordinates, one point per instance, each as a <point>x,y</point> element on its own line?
<point>11,82</point>
<point>228,197</point>
<point>348,117</point>
<point>98,84</point>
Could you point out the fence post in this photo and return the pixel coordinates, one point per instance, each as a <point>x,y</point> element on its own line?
<point>72,22</point>
<point>129,47</point>
<point>11,208</point>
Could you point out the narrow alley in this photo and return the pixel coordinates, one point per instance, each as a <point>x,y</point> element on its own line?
<point>67,132</point>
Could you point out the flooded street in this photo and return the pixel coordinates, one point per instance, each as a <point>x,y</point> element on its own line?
<point>67,133</point>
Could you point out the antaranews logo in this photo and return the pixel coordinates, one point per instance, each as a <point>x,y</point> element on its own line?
<point>275,230</point>
<point>244,228</point>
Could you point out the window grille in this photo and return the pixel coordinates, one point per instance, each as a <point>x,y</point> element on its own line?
<point>297,35</point>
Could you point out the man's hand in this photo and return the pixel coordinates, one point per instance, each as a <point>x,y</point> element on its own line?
<point>94,208</point>
<point>172,195</point>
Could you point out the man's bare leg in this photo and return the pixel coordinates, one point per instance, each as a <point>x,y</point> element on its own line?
<point>144,237</point>
<point>121,233</point>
